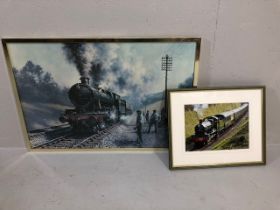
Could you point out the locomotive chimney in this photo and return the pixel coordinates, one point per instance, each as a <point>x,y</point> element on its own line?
<point>84,80</point>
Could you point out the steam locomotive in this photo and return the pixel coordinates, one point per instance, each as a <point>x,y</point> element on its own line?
<point>213,126</point>
<point>95,108</point>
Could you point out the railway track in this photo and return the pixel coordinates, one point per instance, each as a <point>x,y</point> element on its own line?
<point>49,129</point>
<point>40,136</point>
<point>75,141</point>
<point>61,141</point>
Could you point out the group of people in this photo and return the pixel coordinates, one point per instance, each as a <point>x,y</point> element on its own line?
<point>151,120</point>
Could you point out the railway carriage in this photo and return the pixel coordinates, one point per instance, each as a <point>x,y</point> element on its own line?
<point>213,126</point>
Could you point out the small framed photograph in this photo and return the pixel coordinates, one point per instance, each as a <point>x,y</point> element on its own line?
<point>100,93</point>
<point>213,127</point>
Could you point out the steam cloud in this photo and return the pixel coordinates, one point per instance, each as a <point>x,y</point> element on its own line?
<point>80,55</point>
<point>187,83</point>
<point>102,64</point>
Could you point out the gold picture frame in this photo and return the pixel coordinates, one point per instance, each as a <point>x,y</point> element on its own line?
<point>216,127</point>
<point>18,54</point>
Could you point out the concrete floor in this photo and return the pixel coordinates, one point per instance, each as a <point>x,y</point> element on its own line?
<point>131,181</point>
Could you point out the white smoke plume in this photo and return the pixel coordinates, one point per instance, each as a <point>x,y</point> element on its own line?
<point>107,68</point>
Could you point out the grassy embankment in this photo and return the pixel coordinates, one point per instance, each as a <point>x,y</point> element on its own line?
<point>238,139</point>
<point>192,117</point>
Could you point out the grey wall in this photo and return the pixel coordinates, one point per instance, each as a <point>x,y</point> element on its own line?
<point>240,40</point>
<point>240,47</point>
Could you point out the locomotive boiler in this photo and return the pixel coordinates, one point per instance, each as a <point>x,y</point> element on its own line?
<point>95,108</point>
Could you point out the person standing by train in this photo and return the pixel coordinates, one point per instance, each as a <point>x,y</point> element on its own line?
<point>147,116</point>
<point>153,121</point>
<point>139,127</point>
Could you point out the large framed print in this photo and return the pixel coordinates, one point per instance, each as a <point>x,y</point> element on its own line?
<point>98,93</point>
<point>211,127</point>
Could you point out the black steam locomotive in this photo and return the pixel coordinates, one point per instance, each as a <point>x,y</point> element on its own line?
<point>213,126</point>
<point>95,108</point>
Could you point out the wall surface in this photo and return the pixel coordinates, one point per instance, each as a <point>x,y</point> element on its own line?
<point>240,46</point>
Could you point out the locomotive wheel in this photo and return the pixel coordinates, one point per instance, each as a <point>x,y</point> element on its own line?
<point>93,125</point>
<point>95,129</point>
<point>217,136</point>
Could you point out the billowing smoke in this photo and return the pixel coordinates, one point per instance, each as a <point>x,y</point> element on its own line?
<point>199,113</point>
<point>129,119</point>
<point>106,69</point>
<point>199,108</point>
<point>187,83</point>
<point>81,55</point>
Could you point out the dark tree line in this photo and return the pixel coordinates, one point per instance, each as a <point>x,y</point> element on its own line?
<point>38,86</point>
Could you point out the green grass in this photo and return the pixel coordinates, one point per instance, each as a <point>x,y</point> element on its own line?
<point>238,140</point>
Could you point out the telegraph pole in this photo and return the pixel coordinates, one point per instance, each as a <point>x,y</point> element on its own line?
<point>166,65</point>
